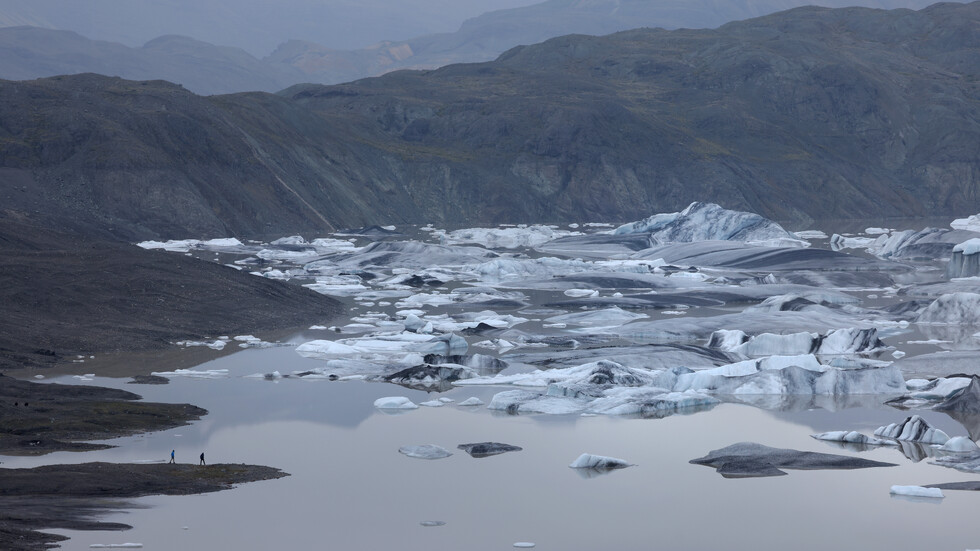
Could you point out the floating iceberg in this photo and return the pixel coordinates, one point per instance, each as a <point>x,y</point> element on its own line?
<point>913,429</point>
<point>840,341</point>
<point>917,491</point>
<point>589,461</point>
<point>850,437</point>
<point>394,402</point>
<point>960,444</point>
<point>710,222</point>
<point>953,309</point>
<point>425,451</point>
<point>486,449</point>
<point>965,260</point>
<point>471,401</point>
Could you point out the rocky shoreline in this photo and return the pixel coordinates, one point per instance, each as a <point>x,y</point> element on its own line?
<point>44,418</point>
<point>67,496</point>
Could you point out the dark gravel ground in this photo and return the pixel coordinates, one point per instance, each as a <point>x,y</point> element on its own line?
<point>64,295</point>
<point>69,496</point>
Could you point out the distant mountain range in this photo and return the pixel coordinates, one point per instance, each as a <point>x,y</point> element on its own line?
<point>28,52</point>
<point>805,114</point>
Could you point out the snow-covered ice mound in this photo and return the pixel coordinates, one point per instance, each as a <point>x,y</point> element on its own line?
<point>708,222</point>
<point>953,309</point>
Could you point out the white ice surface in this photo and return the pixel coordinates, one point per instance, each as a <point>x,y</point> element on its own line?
<point>917,491</point>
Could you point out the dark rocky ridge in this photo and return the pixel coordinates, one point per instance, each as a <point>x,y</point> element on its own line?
<point>811,113</point>
<point>44,418</point>
<point>66,294</point>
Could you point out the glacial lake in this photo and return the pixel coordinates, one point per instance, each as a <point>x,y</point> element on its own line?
<point>350,488</point>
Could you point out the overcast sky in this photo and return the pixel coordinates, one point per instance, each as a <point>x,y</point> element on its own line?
<point>255,25</point>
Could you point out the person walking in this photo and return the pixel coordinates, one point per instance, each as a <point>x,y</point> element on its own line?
<point>202,459</point>
<point>172,456</point>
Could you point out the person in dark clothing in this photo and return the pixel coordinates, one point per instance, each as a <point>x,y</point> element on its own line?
<point>202,459</point>
<point>172,456</point>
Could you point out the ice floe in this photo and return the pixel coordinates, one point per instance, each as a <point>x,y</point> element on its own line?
<point>917,491</point>
<point>487,449</point>
<point>425,451</point>
<point>600,462</point>
<point>394,402</point>
<point>851,437</point>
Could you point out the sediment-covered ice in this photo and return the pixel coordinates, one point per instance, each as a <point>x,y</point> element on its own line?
<point>748,459</point>
<point>708,221</point>
<point>487,449</point>
<point>953,309</point>
<point>913,429</point>
<point>840,341</point>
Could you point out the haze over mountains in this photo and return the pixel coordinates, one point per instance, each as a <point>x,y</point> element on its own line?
<point>313,41</point>
<point>806,114</point>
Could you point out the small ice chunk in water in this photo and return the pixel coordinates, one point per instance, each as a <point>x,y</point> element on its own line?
<point>581,293</point>
<point>917,491</point>
<point>433,523</point>
<point>472,401</point>
<point>394,402</point>
<point>116,546</point>
<point>960,444</point>
<point>524,545</point>
<point>425,451</point>
<point>433,403</point>
<point>589,461</point>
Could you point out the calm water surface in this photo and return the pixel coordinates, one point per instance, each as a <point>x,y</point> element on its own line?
<point>351,489</point>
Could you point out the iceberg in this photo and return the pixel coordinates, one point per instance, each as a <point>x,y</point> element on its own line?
<point>965,260</point>
<point>840,341</point>
<point>960,444</point>
<point>589,461</point>
<point>913,429</point>
<point>487,449</point>
<point>394,402</point>
<point>471,401</point>
<point>850,437</point>
<point>425,451</point>
<point>953,309</point>
<point>917,491</point>
<point>711,222</point>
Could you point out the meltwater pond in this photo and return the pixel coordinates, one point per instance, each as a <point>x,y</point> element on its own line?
<point>654,343</point>
<point>351,489</point>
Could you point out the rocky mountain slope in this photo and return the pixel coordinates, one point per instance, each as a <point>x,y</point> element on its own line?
<point>485,37</point>
<point>32,52</point>
<point>811,113</point>
<point>28,52</point>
